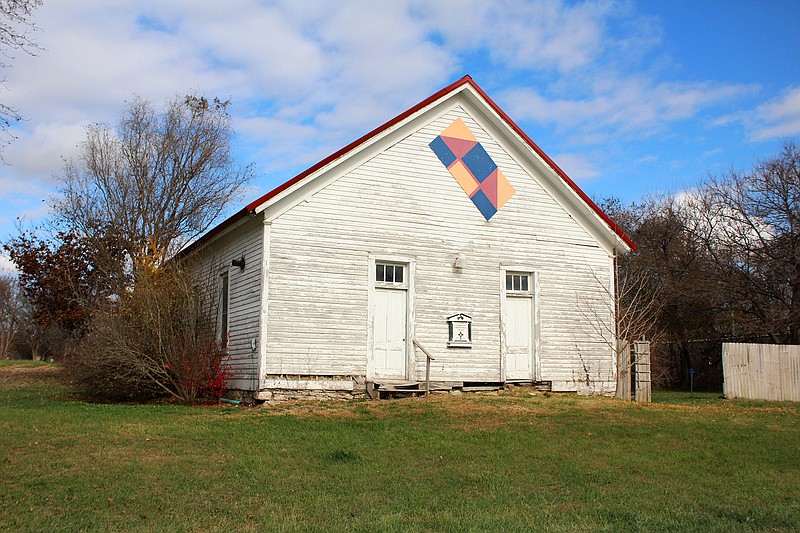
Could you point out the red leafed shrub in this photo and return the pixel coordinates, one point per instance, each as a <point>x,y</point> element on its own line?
<point>217,380</point>
<point>199,371</point>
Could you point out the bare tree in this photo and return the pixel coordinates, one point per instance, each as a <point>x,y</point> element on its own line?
<point>161,177</point>
<point>750,228</point>
<point>727,259</point>
<point>671,266</point>
<point>11,311</point>
<point>16,28</point>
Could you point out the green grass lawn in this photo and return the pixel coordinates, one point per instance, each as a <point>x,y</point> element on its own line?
<point>21,363</point>
<point>509,462</point>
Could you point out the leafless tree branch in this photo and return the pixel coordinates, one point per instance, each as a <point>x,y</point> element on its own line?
<point>16,34</point>
<point>161,178</point>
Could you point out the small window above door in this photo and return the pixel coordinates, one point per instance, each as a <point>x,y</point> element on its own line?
<point>389,274</point>
<point>518,282</point>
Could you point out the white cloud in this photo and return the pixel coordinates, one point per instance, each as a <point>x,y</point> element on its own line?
<point>776,118</point>
<point>22,206</point>
<point>577,166</point>
<point>550,34</point>
<point>543,35</point>
<point>276,143</point>
<point>712,152</point>
<point>616,105</point>
<point>6,266</point>
<point>343,66</point>
<point>13,188</point>
<point>38,154</point>
<point>272,56</point>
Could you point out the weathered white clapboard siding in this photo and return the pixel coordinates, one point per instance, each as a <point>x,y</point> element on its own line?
<point>245,296</point>
<point>403,202</point>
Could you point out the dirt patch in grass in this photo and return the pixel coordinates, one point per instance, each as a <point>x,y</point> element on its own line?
<point>470,411</point>
<point>480,412</point>
<point>311,408</point>
<point>17,377</point>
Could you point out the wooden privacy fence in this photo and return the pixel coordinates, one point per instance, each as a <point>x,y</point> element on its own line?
<point>761,371</point>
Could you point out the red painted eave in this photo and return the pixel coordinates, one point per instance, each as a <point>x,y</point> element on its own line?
<point>251,207</point>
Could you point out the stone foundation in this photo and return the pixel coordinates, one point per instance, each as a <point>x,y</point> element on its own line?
<point>280,388</point>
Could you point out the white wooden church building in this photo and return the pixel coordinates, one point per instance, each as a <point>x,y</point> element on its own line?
<point>446,228</point>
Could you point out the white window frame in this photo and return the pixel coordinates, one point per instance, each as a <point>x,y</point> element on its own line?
<point>224,308</point>
<point>391,284</point>
<point>527,275</point>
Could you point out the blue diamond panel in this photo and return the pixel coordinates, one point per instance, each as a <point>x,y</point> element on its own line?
<point>484,205</point>
<point>445,155</point>
<point>479,163</point>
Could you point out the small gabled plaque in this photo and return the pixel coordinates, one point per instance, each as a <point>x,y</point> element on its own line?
<point>460,327</point>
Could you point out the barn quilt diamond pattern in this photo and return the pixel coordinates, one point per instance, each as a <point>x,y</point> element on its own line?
<point>473,168</point>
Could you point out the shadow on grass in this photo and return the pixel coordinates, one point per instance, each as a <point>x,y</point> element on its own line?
<point>688,398</point>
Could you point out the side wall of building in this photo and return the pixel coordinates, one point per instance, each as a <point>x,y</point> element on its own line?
<point>210,262</point>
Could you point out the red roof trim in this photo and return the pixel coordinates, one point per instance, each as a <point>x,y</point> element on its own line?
<point>251,207</point>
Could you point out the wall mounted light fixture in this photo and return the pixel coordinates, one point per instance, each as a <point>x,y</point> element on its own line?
<point>238,262</point>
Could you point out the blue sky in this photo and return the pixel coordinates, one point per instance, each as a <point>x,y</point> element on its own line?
<point>629,97</point>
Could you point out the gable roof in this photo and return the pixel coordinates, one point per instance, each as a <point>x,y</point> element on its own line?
<point>464,83</point>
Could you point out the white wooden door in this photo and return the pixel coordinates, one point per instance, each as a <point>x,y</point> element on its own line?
<point>389,334</point>
<point>518,324</point>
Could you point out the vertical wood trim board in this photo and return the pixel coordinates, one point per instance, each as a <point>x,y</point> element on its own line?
<point>264,315</point>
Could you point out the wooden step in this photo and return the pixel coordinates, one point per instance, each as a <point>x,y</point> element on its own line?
<point>397,385</point>
<point>400,389</point>
<point>444,385</point>
<point>400,392</point>
<point>481,388</point>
